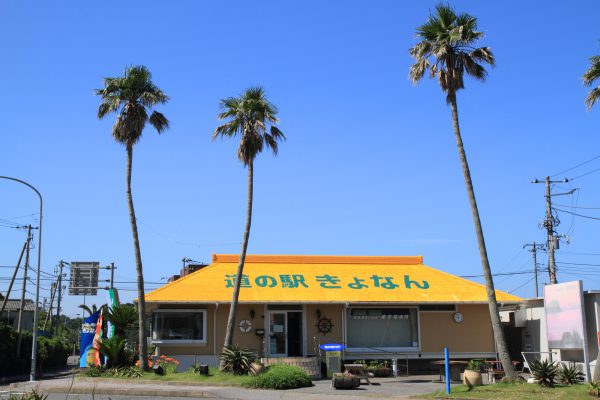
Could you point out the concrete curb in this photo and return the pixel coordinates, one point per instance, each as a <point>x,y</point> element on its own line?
<point>110,389</point>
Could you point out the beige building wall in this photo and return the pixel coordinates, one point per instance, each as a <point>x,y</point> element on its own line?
<point>437,329</point>
<point>474,334</point>
<point>330,311</point>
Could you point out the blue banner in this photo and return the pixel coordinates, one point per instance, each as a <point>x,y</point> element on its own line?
<point>88,331</point>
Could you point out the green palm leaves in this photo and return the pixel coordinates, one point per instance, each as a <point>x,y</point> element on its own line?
<point>447,50</point>
<point>591,76</point>
<point>251,116</point>
<point>132,96</point>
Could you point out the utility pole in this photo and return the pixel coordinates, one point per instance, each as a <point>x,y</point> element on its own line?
<point>550,223</point>
<point>534,248</point>
<point>49,313</point>
<point>112,275</point>
<point>19,321</point>
<point>59,298</point>
<point>13,277</point>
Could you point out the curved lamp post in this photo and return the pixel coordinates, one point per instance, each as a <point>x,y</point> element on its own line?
<point>32,374</point>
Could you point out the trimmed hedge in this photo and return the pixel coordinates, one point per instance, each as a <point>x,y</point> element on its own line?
<point>281,376</point>
<point>52,352</point>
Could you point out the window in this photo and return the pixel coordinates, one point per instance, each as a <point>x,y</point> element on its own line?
<point>179,326</point>
<point>372,329</point>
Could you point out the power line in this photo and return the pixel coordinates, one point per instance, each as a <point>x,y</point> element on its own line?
<point>587,173</point>
<point>577,166</point>
<point>520,286</point>
<point>499,274</point>
<point>569,263</point>
<point>583,208</point>
<point>578,215</point>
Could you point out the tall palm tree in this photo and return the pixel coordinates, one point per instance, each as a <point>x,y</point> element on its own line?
<point>252,117</point>
<point>591,76</point>
<point>132,97</point>
<point>447,49</point>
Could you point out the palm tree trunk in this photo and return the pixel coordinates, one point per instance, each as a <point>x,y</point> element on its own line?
<point>143,345</point>
<point>240,268</point>
<point>487,273</point>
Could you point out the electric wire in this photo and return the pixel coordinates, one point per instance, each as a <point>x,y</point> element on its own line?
<point>576,166</point>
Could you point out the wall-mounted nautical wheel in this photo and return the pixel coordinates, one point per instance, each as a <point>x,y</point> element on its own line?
<point>324,325</point>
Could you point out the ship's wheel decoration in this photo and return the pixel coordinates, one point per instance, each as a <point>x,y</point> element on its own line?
<point>324,325</point>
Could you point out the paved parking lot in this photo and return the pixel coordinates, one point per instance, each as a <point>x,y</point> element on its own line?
<point>401,387</point>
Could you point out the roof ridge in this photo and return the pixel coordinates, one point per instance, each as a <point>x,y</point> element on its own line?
<point>318,259</point>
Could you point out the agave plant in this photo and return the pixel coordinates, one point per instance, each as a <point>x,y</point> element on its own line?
<point>544,372</point>
<point>570,375</point>
<point>237,360</point>
<point>594,389</point>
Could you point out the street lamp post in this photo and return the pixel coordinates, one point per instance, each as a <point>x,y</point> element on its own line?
<point>32,374</point>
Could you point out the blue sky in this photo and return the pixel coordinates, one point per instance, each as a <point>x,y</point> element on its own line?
<point>370,166</point>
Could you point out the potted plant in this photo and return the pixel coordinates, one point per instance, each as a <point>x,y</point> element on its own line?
<point>380,368</point>
<point>345,380</point>
<point>472,375</point>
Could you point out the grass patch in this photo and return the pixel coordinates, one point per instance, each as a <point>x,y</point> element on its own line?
<point>214,377</point>
<point>521,391</point>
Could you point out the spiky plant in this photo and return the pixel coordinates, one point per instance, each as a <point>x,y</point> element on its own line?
<point>544,372</point>
<point>237,360</point>
<point>114,349</point>
<point>594,389</point>
<point>570,375</point>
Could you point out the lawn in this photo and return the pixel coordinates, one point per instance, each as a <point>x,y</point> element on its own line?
<point>521,391</point>
<point>215,377</point>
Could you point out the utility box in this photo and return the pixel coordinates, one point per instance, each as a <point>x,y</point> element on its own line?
<point>333,357</point>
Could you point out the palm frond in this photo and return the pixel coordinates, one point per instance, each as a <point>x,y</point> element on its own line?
<point>592,97</point>
<point>159,121</point>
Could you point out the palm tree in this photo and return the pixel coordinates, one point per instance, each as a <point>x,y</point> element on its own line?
<point>447,49</point>
<point>252,117</point>
<point>590,76</point>
<point>89,310</point>
<point>133,96</point>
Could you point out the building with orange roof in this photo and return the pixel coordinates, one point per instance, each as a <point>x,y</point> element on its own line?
<point>289,305</point>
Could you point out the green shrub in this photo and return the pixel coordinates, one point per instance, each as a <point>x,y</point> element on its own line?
<point>125,372</point>
<point>569,375</point>
<point>544,372</point>
<point>594,389</point>
<point>94,371</point>
<point>33,395</point>
<point>237,360</point>
<point>475,365</point>
<point>281,376</point>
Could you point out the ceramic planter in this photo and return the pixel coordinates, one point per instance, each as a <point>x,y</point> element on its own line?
<point>472,378</point>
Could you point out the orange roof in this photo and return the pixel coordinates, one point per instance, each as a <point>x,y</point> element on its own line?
<point>323,279</point>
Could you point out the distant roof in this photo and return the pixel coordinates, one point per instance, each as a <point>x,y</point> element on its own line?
<point>15,305</point>
<point>324,279</point>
